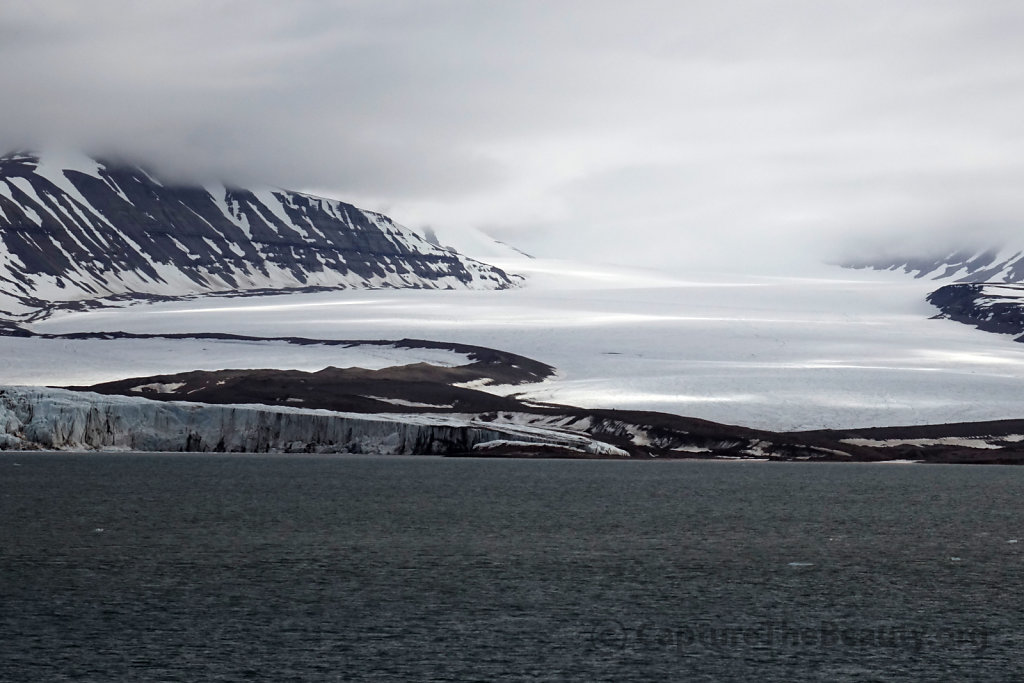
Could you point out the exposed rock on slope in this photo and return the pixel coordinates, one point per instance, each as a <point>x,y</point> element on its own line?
<point>993,307</point>
<point>425,387</point>
<point>82,229</point>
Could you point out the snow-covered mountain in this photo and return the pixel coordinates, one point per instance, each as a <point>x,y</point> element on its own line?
<point>963,265</point>
<point>74,228</point>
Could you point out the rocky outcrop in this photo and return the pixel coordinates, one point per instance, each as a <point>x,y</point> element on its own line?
<point>395,389</point>
<point>993,307</point>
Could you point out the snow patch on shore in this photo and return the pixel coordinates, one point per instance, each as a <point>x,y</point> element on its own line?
<point>944,441</point>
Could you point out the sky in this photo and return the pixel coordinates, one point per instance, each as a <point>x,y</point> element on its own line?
<point>643,132</point>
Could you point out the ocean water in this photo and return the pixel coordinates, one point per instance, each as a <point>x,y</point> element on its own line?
<point>167,567</point>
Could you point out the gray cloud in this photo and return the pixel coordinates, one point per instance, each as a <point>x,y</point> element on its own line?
<point>649,129</point>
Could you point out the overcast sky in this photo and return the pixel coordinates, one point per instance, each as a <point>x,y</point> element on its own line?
<point>631,131</point>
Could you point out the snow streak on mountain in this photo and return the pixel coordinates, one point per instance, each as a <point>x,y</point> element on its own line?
<point>965,265</point>
<point>81,229</point>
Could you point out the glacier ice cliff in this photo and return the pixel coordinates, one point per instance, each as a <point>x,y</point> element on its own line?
<point>34,417</point>
<point>45,418</point>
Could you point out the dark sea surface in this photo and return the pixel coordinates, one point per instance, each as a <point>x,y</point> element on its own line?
<point>154,567</point>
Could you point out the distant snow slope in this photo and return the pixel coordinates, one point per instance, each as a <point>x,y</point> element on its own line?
<point>836,349</point>
<point>74,228</point>
<point>964,265</point>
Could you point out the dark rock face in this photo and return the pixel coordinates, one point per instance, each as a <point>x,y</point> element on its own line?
<point>993,307</point>
<point>105,229</point>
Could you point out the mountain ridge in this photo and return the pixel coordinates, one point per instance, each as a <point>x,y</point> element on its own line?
<point>78,229</point>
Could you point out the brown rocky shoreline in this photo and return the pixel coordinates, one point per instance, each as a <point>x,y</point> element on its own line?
<point>430,390</point>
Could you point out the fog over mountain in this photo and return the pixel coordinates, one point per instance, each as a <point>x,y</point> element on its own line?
<point>652,132</point>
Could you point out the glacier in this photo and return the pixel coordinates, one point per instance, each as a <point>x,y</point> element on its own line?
<point>830,348</point>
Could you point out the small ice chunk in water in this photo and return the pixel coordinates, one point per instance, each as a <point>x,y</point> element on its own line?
<point>1012,540</point>
<point>801,564</point>
<point>954,559</point>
